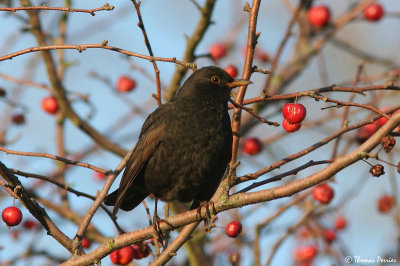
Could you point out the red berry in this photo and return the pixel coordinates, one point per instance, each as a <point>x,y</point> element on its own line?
<point>305,253</point>
<point>263,57</point>
<point>122,256</point>
<point>323,193</point>
<point>218,50</point>
<point>319,16</point>
<point>126,255</point>
<point>294,112</point>
<point>86,243</point>
<point>114,257</point>
<point>340,223</point>
<point>252,146</point>
<point>385,203</point>
<point>125,84</point>
<point>329,235</point>
<point>18,119</point>
<point>287,109</point>
<point>259,54</point>
<point>145,250</point>
<point>232,71</point>
<point>381,121</point>
<point>137,252</point>
<point>30,224</point>
<point>366,131</point>
<point>99,176</point>
<point>298,114</point>
<point>50,104</point>
<point>290,127</point>
<point>140,251</point>
<point>373,12</point>
<point>233,229</point>
<point>12,216</point>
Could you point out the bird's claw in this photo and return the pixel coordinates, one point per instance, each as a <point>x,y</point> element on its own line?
<point>157,228</point>
<point>210,215</point>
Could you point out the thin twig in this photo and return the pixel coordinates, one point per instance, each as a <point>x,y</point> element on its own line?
<point>278,177</point>
<point>54,157</point>
<point>252,37</point>
<point>275,124</point>
<point>147,42</point>
<point>105,7</point>
<point>82,47</point>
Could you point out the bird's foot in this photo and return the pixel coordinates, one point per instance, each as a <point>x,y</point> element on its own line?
<point>157,228</point>
<point>210,217</point>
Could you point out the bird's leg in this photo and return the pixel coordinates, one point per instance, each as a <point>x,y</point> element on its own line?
<point>156,223</point>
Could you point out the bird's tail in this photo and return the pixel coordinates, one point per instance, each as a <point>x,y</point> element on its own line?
<point>129,202</point>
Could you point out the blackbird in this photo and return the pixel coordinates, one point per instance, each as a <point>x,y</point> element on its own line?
<point>184,146</point>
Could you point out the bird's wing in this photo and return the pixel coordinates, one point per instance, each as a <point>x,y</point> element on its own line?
<point>148,142</point>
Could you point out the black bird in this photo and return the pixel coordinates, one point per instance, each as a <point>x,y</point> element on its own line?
<point>184,146</point>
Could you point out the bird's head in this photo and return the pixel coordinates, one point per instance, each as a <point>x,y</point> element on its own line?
<point>210,83</point>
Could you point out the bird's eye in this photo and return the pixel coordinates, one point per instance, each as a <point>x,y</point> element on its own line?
<point>215,79</point>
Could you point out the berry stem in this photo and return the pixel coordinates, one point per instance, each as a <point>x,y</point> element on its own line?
<point>14,198</point>
<point>367,162</point>
<point>381,160</point>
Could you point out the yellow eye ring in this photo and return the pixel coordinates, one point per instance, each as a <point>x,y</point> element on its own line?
<point>215,79</point>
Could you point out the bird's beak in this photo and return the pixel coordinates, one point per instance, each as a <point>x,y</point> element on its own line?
<point>238,83</point>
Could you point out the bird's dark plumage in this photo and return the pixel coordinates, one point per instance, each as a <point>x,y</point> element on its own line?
<point>184,145</point>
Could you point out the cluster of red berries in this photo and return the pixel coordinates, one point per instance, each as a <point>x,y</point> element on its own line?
<point>303,255</point>
<point>324,194</point>
<point>319,15</point>
<point>125,255</point>
<point>330,234</point>
<point>294,114</point>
